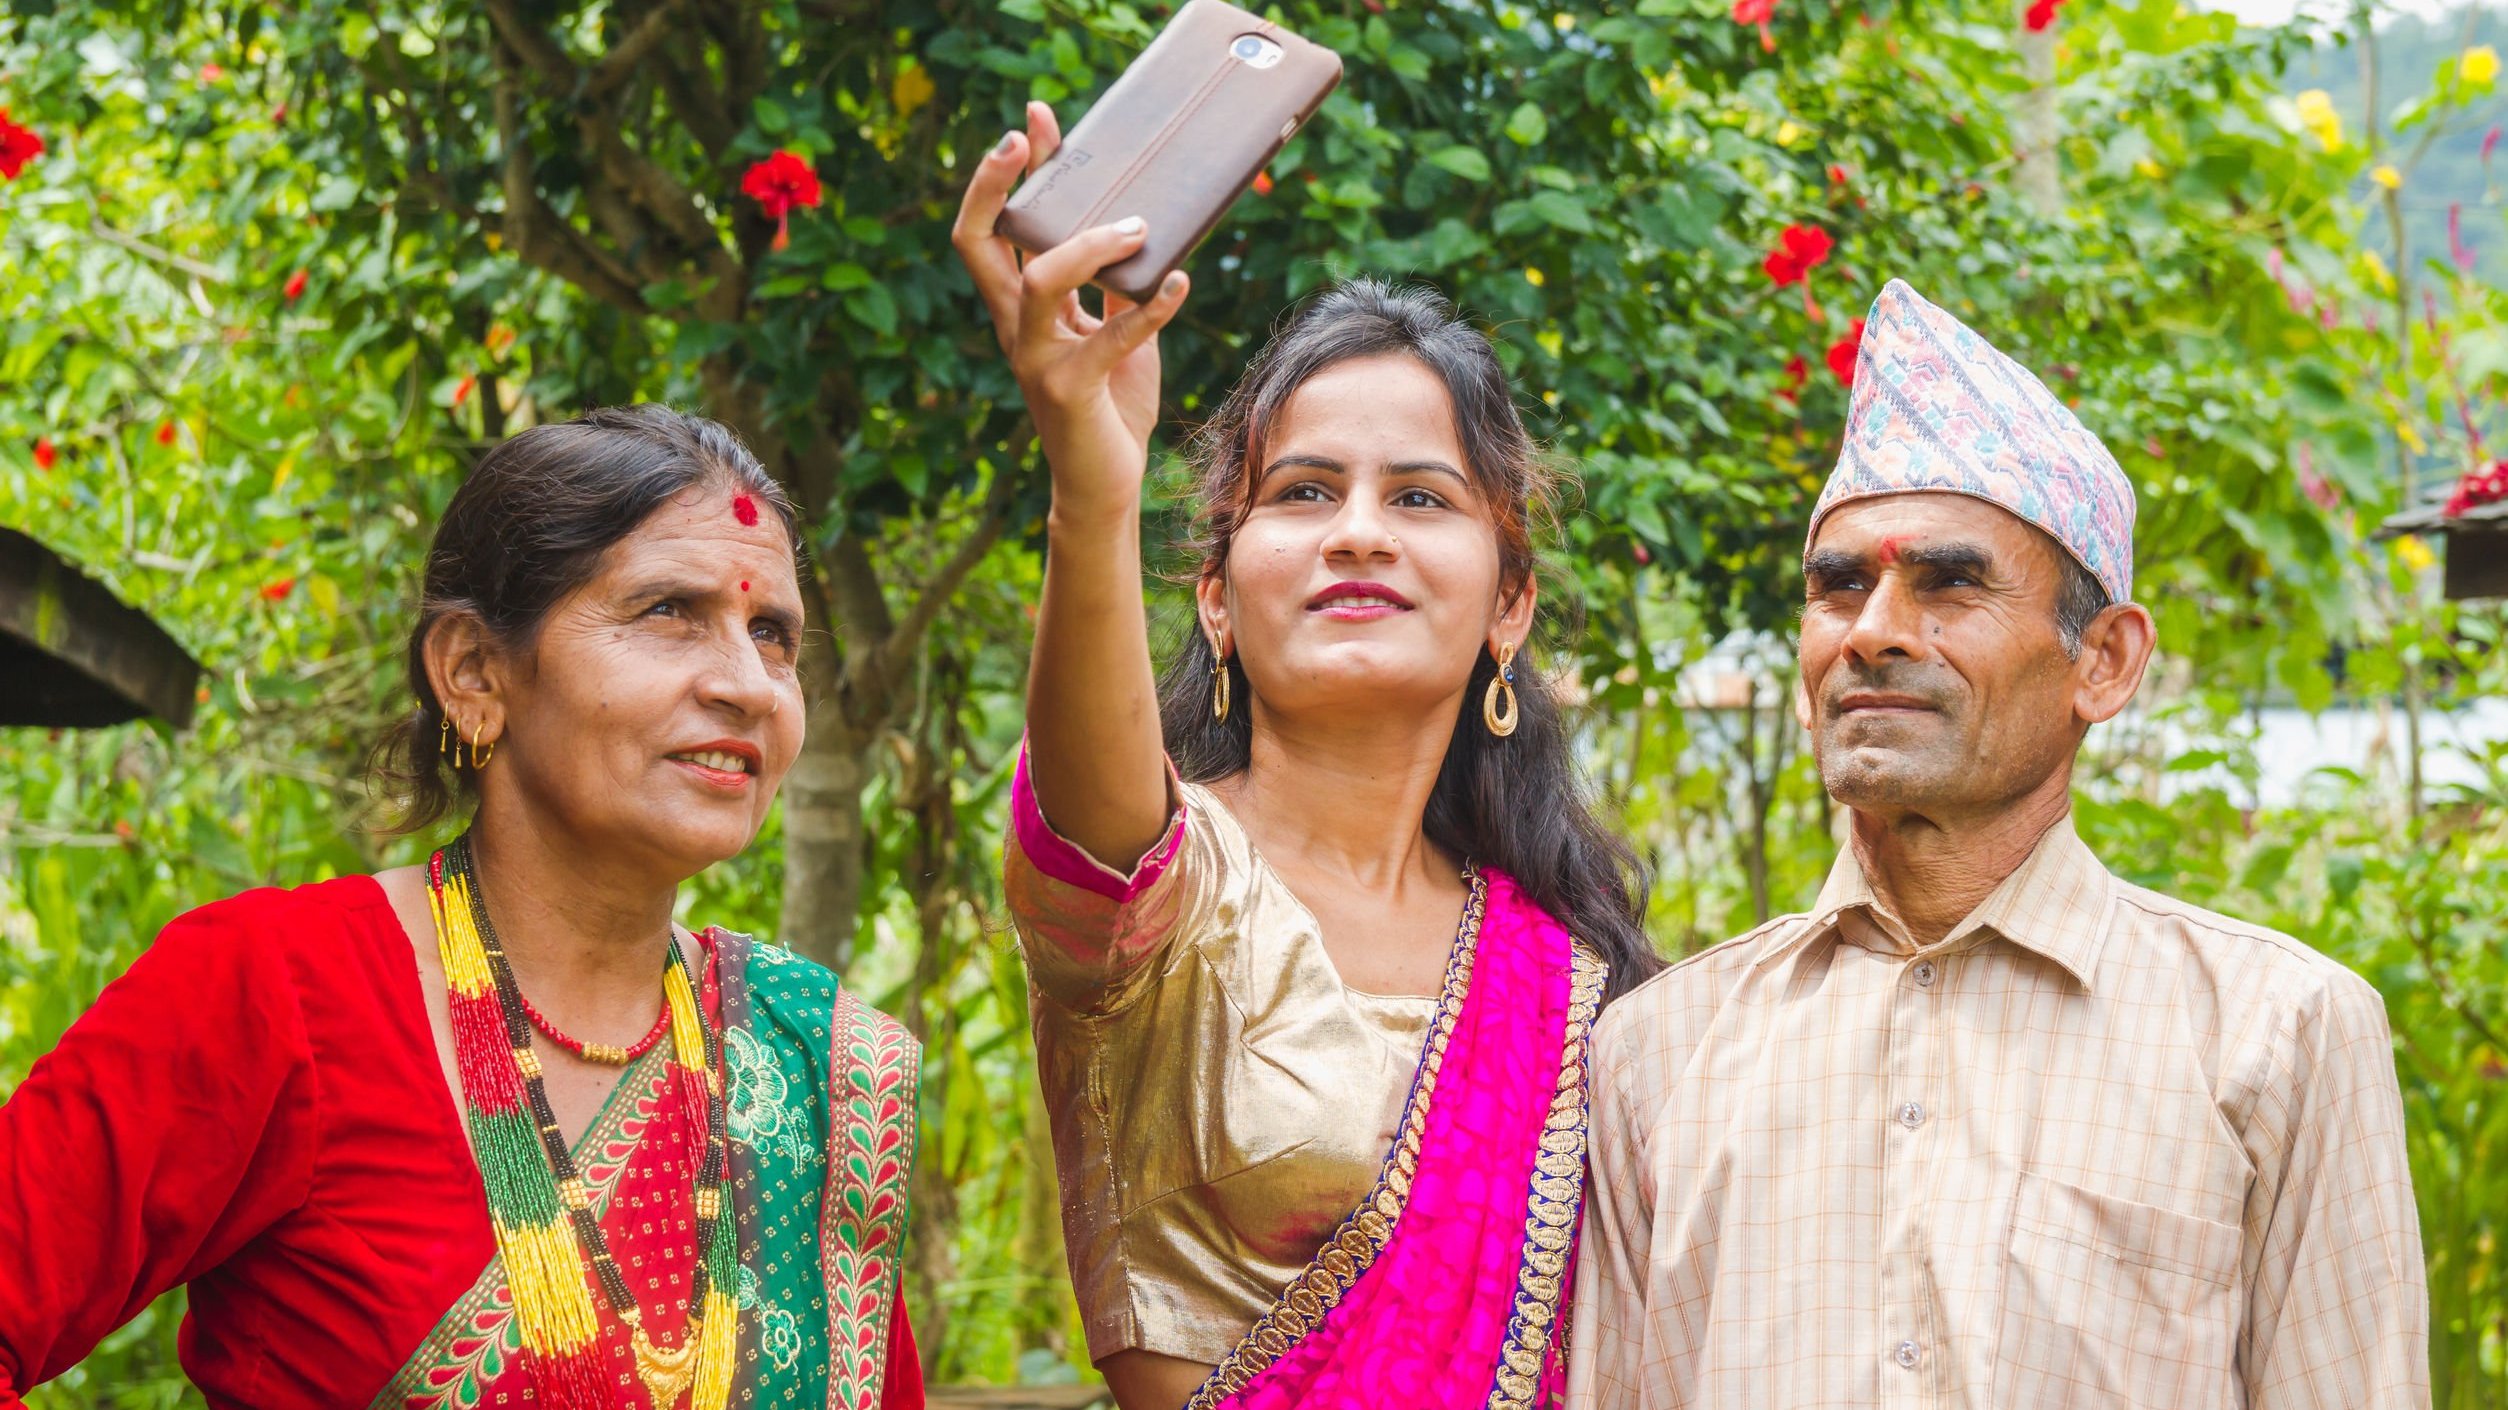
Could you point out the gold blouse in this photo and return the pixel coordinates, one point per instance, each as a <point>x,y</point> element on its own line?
<point>1220,1100</point>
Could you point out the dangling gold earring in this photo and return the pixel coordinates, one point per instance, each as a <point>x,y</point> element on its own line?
<point>479,761</point>
<point>1501,722</point>
<point>444,741</point>
<point>1218,683</point>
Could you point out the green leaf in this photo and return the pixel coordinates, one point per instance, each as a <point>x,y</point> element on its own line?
<point>1528,125</point>
<point>1465,162</point>
<point>873,308</point>
<point>770,116</point>
<point>843,276</point>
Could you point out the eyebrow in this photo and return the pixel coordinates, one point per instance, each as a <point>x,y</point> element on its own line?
<point>655,589</point>
<point>1968,558</point>
<point>1331,466</point>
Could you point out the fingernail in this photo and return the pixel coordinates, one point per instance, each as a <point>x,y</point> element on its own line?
<point>1004,145</point>
<point>1173,282</point>
<point>1130,225</point>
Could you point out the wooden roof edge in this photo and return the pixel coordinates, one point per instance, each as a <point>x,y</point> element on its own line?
<point>2434,518</point>
<point>51,605</point>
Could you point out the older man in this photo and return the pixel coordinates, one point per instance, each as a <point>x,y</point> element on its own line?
<point>1989,1126</point>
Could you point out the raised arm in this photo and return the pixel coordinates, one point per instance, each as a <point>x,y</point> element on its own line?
<point>1094,753</point>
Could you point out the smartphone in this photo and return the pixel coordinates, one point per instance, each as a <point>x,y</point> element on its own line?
<point>1185,129</point>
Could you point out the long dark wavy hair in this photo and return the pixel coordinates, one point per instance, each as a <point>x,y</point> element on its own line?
<point>1519,804</point>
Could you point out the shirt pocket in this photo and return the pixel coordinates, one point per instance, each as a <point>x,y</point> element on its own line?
<point>2108,1302</point>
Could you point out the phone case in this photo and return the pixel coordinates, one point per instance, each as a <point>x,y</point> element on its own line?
<point>1174,141</point>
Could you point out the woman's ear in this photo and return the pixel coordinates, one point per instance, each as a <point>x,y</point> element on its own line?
<point>1210,606</point>
<point>463,667</point>
<point>1514,621</point>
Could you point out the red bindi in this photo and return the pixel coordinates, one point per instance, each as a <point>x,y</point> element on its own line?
<point>1889,548</point>
<point>745,510</point>
<point>744,587</point>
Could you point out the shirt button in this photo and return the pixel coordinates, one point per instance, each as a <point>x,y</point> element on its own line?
<point>1907,1356</point>
<point>1924,975</point>
<point>1911,1116</point>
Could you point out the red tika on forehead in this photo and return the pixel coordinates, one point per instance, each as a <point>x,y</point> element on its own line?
<point>745,510</point>
<point>1890,548</point>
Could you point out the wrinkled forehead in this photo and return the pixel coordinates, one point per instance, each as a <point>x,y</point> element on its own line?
<point>1881,528</point>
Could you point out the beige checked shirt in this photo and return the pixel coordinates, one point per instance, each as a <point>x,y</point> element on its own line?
<point>2095,1148</point>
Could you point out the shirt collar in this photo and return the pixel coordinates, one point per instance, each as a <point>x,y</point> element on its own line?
<point>2055,903</point>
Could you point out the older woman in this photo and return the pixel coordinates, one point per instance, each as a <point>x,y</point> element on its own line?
<point>495,1129</point>
<point>1314,950</point>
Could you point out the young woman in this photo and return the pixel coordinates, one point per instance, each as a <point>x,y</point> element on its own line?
<point>1314,941</point>
<point>494,1130</point>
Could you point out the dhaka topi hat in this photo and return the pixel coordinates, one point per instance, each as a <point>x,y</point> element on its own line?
<point>1937,409</point>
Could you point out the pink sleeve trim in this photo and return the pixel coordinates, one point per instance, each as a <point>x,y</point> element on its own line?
<point>1064,860</point>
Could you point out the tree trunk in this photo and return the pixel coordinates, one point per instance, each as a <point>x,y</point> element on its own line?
<point>823,836</point>
<point>2034,126</point>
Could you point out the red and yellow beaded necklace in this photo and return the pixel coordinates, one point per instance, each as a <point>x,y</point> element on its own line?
<point>540,1205</point>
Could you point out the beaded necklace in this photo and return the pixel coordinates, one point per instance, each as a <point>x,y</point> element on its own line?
<point>540,1205</point>
<point>605,1054</point>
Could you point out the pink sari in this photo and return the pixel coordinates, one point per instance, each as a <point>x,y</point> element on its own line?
<point>1447,1288</point>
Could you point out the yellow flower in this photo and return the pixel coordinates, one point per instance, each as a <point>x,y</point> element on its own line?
<point>2374,265</point>
<point>1788,133</point>
<point>2479,65</point>
<point>2387,177</point>
<point>1534,277</point>
<point>2148,169</point>
<point>1563,22</point>
<point>910,89</point>
<point>2317,115</point>
<point>2415,554</point>
<point>2411,438</point>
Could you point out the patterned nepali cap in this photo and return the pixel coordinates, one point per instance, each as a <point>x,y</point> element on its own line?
<point>1937,408</point>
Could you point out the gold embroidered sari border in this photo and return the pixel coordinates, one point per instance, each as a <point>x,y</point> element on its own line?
<point>1354,1246</point>
<point>1553,1204</point>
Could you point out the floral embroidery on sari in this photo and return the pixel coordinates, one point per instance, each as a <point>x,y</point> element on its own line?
<point>1530,1365</point>
<point>819,1188</point>
<point>866,1209</point>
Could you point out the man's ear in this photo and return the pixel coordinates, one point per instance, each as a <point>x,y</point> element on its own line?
<point>466,672</point>
<point>2115,650</point>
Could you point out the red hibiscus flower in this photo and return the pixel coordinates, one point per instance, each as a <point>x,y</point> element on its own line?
<point>781,184</point>
<point>1838,174</point>
<point>1799,249</point>
<point>2041,14</point>
<point>1757,12</point>
<point>295,286</point>
<point>1842,353</point>
<point>2479,487</point>
<point>1797,376</point>
<point>277,588</point>
<point>18,146</point>
<point>45,454</point>
<point>1262,183</point>
<point>165,433</point>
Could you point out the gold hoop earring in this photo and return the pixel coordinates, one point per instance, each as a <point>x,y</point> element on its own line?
<point>479,761</point>
<point>1218,685</point>
<point>1501,722</point>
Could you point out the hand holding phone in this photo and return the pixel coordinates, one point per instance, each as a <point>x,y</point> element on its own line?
<point>1175,140</point>
<point>1090,379</point>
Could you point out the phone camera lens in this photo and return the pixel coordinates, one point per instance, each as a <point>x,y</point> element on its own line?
<point>1247,48</point>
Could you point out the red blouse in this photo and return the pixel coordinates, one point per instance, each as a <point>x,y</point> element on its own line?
<point>255,1109</point>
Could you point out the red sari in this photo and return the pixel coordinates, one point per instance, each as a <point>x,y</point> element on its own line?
<point>256,1109</point>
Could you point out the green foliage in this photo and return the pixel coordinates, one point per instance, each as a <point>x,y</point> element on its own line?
<point>510,210</point>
